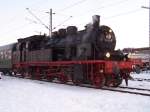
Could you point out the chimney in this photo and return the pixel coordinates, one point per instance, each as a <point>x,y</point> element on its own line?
<point>96,21</point>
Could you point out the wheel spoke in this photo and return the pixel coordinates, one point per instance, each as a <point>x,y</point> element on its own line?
<point>99,81</point>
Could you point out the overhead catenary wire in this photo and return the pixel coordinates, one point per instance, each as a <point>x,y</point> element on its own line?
<point>68,7</point>
<point>30,20</point>
<point>24,25</point>
<point>37,18</point>
<point>20,27</point>
<point>72,5</point>
<point>15,17</point>
<point>118,15</point>
<point>77,3</point>
<point>123,13</point>
<point>107,6</point>
<point>112,4</point>
<point>15,29</point>
<point>63,22</point>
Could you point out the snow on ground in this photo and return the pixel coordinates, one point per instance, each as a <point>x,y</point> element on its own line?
<point>144,75</point>
<point>23,95</point>
<point>139,84</point>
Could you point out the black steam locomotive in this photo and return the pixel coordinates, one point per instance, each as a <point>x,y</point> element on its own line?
<point>92,43</point>
<point>95,42</point>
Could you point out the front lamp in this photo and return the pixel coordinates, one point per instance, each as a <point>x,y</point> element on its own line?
<point>110,30</point>
<point>129,55</point>
<point>108,55</point>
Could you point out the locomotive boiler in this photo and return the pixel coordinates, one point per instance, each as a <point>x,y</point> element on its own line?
<point>94,42</point>
<point>85,56</point>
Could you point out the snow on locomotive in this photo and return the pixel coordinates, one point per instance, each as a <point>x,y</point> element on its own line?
<point>80,57</point>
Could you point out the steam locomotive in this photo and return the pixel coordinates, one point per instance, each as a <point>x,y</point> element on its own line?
<point>69,55</point>
<point>95,42</point>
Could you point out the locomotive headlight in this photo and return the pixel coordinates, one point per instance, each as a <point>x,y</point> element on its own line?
<point>110,30</point>
<point>129,55</point>
<point>108,55</point>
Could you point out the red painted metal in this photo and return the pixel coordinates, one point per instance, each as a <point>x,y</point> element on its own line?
<point>137,61</point>
<point>96,70</point>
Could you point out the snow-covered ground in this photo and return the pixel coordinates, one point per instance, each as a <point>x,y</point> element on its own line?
<point>139,84</point>
<point>23,95</point>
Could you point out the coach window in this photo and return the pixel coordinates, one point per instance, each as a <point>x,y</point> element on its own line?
<point>9,54</point>
<point>5,54</point>
<point>18,46</point>
<point>2,55</point>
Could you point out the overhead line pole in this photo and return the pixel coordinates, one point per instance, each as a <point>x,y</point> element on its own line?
<point>149,19</point>
<point>149,28</point>
<point>50,23</point>
<point>50,20</point>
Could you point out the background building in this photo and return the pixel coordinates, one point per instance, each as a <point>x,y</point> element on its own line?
<point>142,53</point>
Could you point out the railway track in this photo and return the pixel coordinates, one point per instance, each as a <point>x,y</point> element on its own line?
<point>130,90</point>
<point>135,88</point>
<point>140,79</point>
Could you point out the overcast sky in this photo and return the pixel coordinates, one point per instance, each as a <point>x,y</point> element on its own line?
<point>127,19</point>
